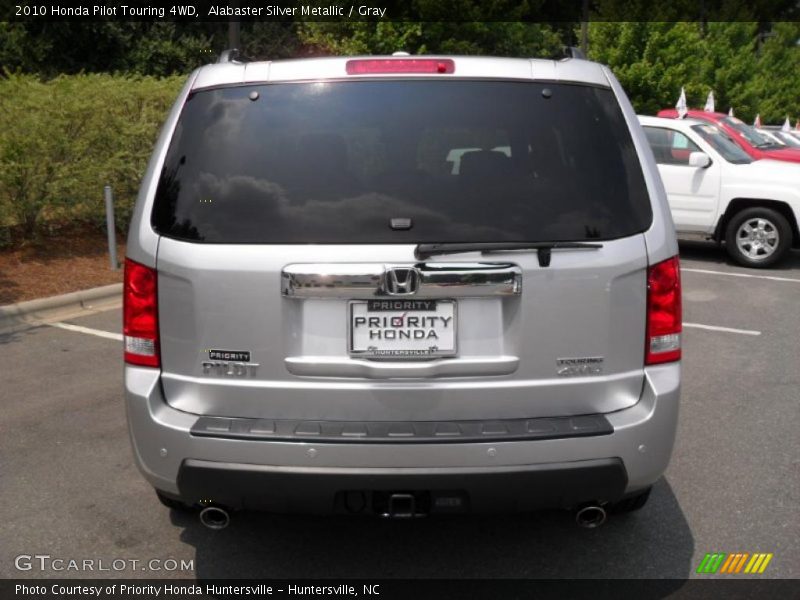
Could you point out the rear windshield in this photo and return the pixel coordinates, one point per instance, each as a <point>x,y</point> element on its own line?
<point>341,162</point>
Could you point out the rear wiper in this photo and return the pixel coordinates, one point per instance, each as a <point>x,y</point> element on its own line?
<point>543,249</point>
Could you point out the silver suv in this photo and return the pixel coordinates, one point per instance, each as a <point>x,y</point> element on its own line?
<point>402,286</point>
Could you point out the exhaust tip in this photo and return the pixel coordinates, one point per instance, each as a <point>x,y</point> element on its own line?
<point>215,517</point>
<point>591,516</point>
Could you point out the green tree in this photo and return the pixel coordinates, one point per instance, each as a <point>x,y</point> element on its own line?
<point>651,60</point>
<point>654,60</point>
<point>490,27</point>
<point>159,48</point>
<point>729,65</point>
<point>775,86</point>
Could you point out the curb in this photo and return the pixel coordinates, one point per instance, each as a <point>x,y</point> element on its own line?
<point>26,314</point>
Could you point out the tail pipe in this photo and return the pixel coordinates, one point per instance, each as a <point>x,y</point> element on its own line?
<point>590,516</point>
<point>215,517</point>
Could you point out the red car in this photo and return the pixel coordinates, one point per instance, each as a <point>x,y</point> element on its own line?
<point>751,141</point>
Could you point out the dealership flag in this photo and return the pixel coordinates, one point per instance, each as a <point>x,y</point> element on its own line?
<point>709,107</point>
<point>757,122</point>
<point>681,105</point>
<point>730,111</point>
<point>786,125</point>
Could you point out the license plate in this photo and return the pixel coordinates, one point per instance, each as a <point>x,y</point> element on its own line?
<point>402,328</point>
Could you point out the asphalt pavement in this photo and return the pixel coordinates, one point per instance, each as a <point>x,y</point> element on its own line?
<point>70,489</point>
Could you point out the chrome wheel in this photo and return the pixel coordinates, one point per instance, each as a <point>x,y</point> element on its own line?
<point>757,238</point>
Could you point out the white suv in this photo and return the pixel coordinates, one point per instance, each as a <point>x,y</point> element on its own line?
<point>717,191</point>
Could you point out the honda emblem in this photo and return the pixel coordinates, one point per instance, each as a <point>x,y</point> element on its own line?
<point>401,281</point>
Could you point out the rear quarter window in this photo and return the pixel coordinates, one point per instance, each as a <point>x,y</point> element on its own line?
<point>466,161</point>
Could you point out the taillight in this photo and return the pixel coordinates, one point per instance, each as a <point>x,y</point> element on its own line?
<point>365,66</point>
<point>140,315</point>
<point>663,312</point>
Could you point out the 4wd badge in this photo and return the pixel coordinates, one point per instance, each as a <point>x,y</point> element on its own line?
<point>584,366</point>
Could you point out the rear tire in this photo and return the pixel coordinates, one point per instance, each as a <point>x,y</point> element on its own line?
<point>631,503</point>
<point>758,237</point>
<point>172,503</point>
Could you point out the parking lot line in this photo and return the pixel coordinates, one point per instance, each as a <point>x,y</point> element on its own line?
<point>726,329</point>
<point>99,333</point>
<point>770,277</point>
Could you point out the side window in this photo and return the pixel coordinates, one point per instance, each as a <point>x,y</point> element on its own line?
<point>682,147</point>
<point>670,147</point>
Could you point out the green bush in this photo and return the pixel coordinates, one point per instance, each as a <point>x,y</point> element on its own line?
<point>751,70</point>
<point>62,140</point>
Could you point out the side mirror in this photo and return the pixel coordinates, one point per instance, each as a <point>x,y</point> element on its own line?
<point>701,160</point>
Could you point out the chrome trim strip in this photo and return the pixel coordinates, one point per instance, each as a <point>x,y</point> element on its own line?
<point>366,280</point>
<point>334,366</point>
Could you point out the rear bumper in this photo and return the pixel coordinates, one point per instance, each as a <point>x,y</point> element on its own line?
<point>436,490</point>
<point>288,476</point>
